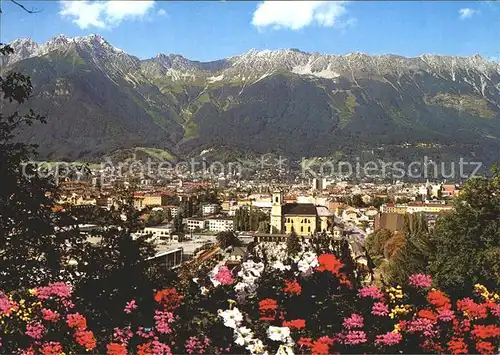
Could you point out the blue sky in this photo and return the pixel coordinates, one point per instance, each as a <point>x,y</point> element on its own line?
<point>216,29</point>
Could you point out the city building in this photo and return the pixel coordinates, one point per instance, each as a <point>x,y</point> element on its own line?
<point>143,200</point>
<point>220,224</point>
<point>416,207</point>
<point>450,191</point>
<point>210,209</point>
<point>303,218</point>
<point>162,232</point>
<point>174,210</point>
<point>193,224</point>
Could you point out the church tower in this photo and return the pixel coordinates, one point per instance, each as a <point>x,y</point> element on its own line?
<point>276,212</point>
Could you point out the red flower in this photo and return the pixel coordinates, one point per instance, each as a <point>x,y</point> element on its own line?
<point>457,346</point>
<point>438,299</point>
<point>116,349</point>
<point>77,321</point>
<point>328,262</point>
<point>144,349</point>
<point>292,287</point>
<point>472,309</point>
<point>50,315</point>
<point>486,331</point>
<point>267,309</point>
<point>52,348</point>
<point>305,342</point>
<point>321,346</point>
<point>86,339</point>
<point>169,298</point>
<point>428,314</point>
<point>485,347</point>
<point>268,304</point>
<point>295,324</point>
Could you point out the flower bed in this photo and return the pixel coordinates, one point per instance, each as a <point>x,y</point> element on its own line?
<point>307,304</point>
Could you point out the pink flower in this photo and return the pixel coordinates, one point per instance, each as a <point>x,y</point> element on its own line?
<point>130,306</point>
<point>5,304</point>
<point>370,291</point>
<point>122,335</point>
<point>446,315</point>
<point>50,315</point>
<point>67,304</point>
<point>388,339</point>
<point>58,289</point>
<point>35,330</point>
<point>423,325</point>
<point>145,333</point>
<point>420,280</point>
<point>160,348</point>
<point>354,337</point>
<point>162,321</point>
<point>354,321</point>
<point>196,346</point>
<point>224,276</point>
<point>380,309</point>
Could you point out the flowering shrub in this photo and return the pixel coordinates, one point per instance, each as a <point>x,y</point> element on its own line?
<point>307,304</point>
<point>42,321</point>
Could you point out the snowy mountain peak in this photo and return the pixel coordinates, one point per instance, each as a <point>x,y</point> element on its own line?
<point>23,48</point>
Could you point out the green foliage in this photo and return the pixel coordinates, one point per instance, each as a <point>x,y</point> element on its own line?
<point>39,245</point>
<point>375,242</point>
<point>393,245</point>
<point>354,200</point>
<point>293,244</point>
<point>228,238</point>
<point>32,249</point>
<point>468,103</point>
<point>412,255</point>
<point>264,227</point>
<point>157,217</point>
<point>379,201</point>
<point>467,241</point>
<point>112,270</point>
<point>157,154</point>
<point>251,219</point>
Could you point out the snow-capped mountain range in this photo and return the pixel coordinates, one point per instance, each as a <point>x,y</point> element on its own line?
<point>99,98</point>
<point>257,64</point>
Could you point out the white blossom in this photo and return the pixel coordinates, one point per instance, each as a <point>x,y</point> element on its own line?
<point>285,350</point>
<point>281,334</point>
<point>307,262</point>
<point>256,347</point>
<point>232,317</point>
<point>243,336</point>
<point>278,265</point>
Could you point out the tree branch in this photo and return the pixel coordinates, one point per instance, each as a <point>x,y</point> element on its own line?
<point>32,11</point>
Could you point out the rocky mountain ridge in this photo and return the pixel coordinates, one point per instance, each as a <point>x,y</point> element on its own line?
<point>254,102</point>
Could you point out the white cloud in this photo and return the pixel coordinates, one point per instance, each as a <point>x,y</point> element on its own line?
<point>161,12</point>
<point>466,13</point>
<point>104,14</point>
<point>298,14</point>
